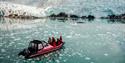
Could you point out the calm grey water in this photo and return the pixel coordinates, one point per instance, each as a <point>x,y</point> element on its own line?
<point>96,41</point>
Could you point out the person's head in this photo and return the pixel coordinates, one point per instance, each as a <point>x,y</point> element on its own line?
<point>49,38</point>
<point>60,37</point>
<point>53,39</point>
<point>57,39</point>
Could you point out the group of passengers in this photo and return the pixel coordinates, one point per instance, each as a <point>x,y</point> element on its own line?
<point>54,42</point>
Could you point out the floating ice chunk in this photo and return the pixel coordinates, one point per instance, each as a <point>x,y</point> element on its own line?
<point>57,61</point>
<point>106,54</point>
<point>64,60</point>
<point>45,31</point>
<point>12,34</point>
<point>74,24</point>
<point>13,37</point>
<point>100,34</point>
<point>8,56</point>
<point>87,58</point>
<point>108,32</point>
<point>17,39</point>
<point>3,50</point>
<point>32,61</point>
<point>1,57</point>
<point>61,54</point>
<point>68,36</point>
<point>69,55</point>
<point>60,57</point>
<point>91,62</point>
<point>77,34</point>
<point>28,37</point>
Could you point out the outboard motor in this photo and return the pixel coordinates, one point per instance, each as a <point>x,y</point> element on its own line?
<point>24,53</point>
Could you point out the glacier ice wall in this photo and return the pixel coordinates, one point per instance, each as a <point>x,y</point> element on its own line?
<point>80,7</point>
<point>7,9</point>
<point>93,7</point>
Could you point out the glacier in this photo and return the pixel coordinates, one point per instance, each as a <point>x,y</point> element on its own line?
<point>7,9</point>
<point>97,8</point>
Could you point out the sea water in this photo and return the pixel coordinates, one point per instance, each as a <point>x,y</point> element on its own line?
<point>86,41</point>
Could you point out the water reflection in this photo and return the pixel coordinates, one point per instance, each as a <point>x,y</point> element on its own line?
<point>8,23</point>
<point>77,20</point>
<point>80,22</point>
<point>12,23</point>
<point>116,21</point>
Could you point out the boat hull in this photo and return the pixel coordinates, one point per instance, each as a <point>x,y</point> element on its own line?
<point>45,51</point>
